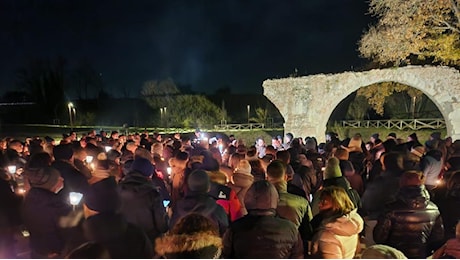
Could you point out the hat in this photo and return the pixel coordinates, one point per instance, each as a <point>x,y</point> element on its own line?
<point>332,169</point>
<point>63,152</point>
<point>199,181</point>
<point>261,195</point>
<point>143,166</point>
<point>418,150</point>
<point>382,252</point>
<point>103,196</point>
<point>45,178</point>
<point>243,167</point>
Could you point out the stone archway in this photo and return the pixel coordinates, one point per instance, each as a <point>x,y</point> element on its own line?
<point>306,103</point>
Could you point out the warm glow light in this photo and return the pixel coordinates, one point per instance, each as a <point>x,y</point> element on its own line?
<point>89,159</point>
<point>12,169</point>
<point>75,198</point>
<point>108,148</point>
<point>169,170</point>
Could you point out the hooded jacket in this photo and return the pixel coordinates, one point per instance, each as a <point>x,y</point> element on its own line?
<point>184,246</point>
<point>338,237</point>
<point>142,205</point>
<point>411,224</point>
<point>241,184</point>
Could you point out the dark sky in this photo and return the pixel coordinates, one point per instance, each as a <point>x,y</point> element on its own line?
<point>207,44</point>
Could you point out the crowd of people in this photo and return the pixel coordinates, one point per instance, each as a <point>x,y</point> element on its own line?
<point>146,195</point>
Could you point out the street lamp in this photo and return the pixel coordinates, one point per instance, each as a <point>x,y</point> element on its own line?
<point>166,118</point>
<point>249,109</point>
<point>70,106</point>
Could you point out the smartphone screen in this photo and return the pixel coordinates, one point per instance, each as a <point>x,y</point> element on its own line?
<point>165,203</point>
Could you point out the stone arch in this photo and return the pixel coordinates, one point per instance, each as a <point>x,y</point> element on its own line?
<point>306,103</point>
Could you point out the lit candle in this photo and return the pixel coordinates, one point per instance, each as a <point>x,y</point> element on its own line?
<point>89,159</point>
<point>169,170</point>
<point>108,148</point>
<point>75,198</point>
<point>12,169</point>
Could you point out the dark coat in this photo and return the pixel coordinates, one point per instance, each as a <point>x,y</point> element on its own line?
<point>262,236</point>
<point>142,205</point>
<point>449,206</point>
<point>41,212</point>
<point>74,180</point>
<point>122,239</point>
<point>411,224</point>
<point>10,205</point>
<point>203,204</point>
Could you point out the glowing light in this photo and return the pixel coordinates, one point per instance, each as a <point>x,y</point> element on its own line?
<point>12,169</point>
<point>75,198</point>
<point>108,148</point>
<point>169,170</point>
<point>89,159</point>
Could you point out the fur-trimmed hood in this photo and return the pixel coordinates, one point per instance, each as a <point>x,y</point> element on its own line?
<point>198,245</point>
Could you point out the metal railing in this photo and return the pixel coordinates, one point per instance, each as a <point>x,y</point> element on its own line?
<point>250,126</point>
<point>401,124</point>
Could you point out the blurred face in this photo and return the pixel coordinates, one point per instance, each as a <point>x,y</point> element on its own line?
<point>325,203</point>
<point>260,142</point>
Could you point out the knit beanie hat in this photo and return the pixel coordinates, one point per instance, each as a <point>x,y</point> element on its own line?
<point>45,178</point>
<point>103,196</point>
<point>262,195</point>
<point>142,165</point>
<point>382,252</point>
<point>243,167</point>
<point>332,169</point>
<point>199,181</point>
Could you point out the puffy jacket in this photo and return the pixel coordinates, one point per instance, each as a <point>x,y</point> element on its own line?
<point>241,184</point>
<point>411,224</point>
<point>142,204</point>
<point>203,204</point>
<point>338,237</point>
<point>227,198</point>
<point>262,236</point>
<point>292,207</point>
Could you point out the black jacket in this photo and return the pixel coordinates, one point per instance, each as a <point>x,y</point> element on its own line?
<point>411,224</point>
<point>449,206</point>
<point>142,204</point>
<point>262,236</point>
<point>122,239</point>
<point>74,180</point>
<point>41,212</point>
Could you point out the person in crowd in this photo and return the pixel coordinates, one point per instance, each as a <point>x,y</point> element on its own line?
<point>337,235</point>
<point>79,154</point>
<point>260,147</point>
<point>305,179</point>
<point>41,211</point>
<point>89,250</point>
<point>74,180</point>
<point>257,170</point>
<point>193,237</point>
<point>285,157</point>
<point>380,191</point>
<point>411,223</point>
<point>432,164</point>
<point>198,200</point>
<point>333,177</point>
<point>106,226</point>
<point>450,249</point>
<point>141,202</point>
<point>261,233</point>
<point>178,166</point>
<point>240,182</point>
<point>449,205</point>
<point>355,180</point>
<point>287,140</point>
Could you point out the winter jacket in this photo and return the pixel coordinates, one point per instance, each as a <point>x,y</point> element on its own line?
<point>74,180</point>
<point>142,205</point>
<point>200,203</point>
<point>411,224</point>
<point>241,184</point>
<point>431,165</point>
<point>449,206</point>
<point>379,192</point>
<point>41,212</point>
<point>260,235</point>
<point>122,239</point>
<point>227,198</point>
<point>292,207</point>
<point>201,245</point>
<point>338,237</point>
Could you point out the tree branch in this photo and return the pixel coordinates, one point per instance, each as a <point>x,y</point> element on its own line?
<point>455,7</point>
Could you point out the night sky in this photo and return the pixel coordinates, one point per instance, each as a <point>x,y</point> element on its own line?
<point>205,44</point>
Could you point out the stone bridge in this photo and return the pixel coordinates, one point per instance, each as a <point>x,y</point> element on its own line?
<point>306,103</point>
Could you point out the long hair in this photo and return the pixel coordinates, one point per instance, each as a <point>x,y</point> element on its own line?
<point>341,202</point>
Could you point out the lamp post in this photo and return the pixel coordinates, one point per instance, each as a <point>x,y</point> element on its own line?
<point>249,109</point>
<point>70,106</point>
<point>165,116</point>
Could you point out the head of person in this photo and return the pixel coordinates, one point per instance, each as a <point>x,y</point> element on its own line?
<point>47,178</point>
<point>193,236</point>
<point>143,166</point>
<point>276,171</point>
<point>411,178</point>
<point>261,198</point>
<point>102,197</point>
<point>392,161</point>
<point>380,251</point>
<point>334,201</point>
<point>198,181</point>
<point>332,168</point>
<point>63,152</point>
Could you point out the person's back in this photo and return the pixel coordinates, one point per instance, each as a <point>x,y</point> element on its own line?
<point>261,234</point>
<point>412,223</point>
